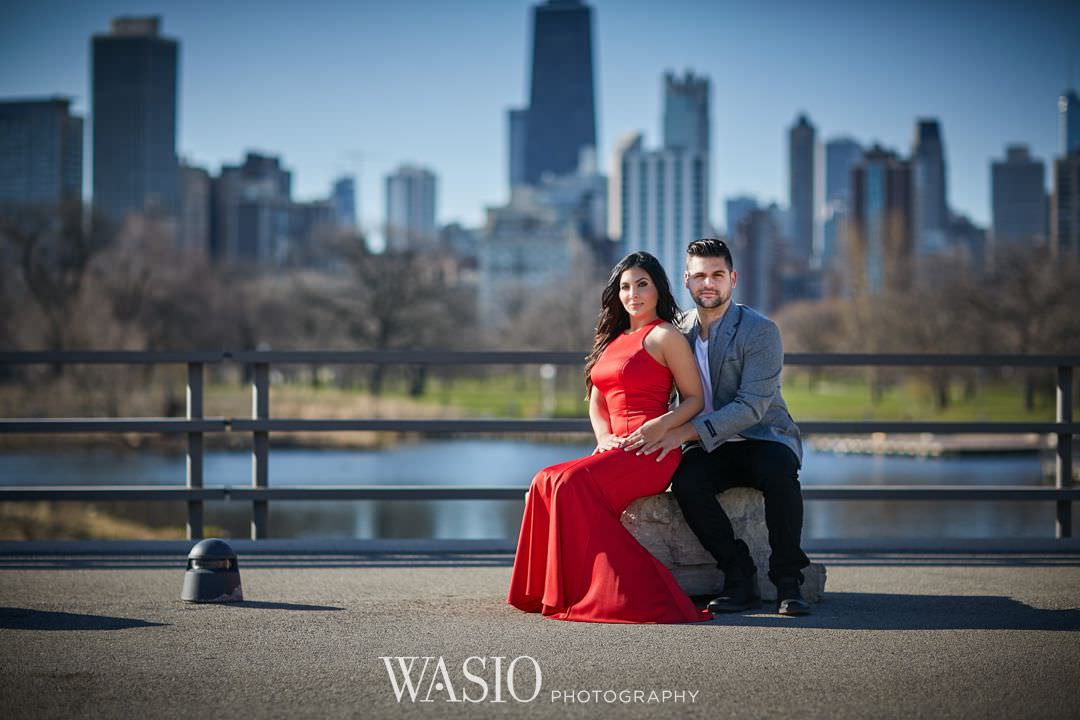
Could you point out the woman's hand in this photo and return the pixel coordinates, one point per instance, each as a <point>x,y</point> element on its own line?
<point>649,433</point>
<point>610,441</point>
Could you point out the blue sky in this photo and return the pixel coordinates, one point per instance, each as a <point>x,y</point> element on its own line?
<point>361,86</point>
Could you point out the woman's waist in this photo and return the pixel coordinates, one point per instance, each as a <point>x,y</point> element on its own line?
<point>636,418</point>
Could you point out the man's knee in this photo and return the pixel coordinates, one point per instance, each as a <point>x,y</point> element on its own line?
<point>777,469</point>
<point>691,477</point>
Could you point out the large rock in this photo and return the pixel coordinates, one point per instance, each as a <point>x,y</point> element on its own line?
<point>658,524</point>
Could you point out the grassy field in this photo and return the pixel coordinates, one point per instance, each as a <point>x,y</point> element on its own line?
<point>828,399</point>
<point>911,400</point>
<point>505,393</point>
<point>83,521</point>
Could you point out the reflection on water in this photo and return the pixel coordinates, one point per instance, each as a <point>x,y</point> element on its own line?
<point>510,462</point>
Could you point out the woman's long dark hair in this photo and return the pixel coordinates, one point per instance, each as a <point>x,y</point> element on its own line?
<point>614,319</point>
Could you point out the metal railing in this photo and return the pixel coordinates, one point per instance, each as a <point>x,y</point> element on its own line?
<point>261,424</point>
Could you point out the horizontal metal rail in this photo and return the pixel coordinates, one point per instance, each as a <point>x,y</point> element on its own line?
<point>421,426</point>
<point>104,493</point>
<point>110,357</point>
<point>261,424</point>
<point>167,426</point>
<point>496,357</point>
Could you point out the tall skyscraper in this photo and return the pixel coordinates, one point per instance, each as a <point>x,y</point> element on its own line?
<point>841,156</point>
<point>1065,212</point>
<point>930,206</point>
<point>1017,200</point>
<point>410,209</point>
<point>736,208</point>
<point>881,251</point>
<point>802,141</point>
<point>344,198</point>
<point>686,112</point>
<point>561,120</point>
<point>663,198</point>
<point>1069,114</point>
<point>41,149</point>
<point>134,118</point>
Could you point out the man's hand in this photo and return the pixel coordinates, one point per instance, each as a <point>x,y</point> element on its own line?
<point>650,431</point>
<point>671,440</point>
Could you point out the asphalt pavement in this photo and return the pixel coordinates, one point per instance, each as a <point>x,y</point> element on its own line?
<point>896,636</point>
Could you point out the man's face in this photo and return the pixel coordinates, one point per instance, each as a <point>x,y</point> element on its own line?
<point>709,281</point>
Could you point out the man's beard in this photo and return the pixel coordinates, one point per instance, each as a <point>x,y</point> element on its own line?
<point>716,302</point>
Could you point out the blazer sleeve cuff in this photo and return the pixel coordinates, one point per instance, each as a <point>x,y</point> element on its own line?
<point>706,430</point>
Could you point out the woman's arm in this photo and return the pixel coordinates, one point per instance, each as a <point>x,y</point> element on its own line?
<point>601,422</point>
<point>680,361</point>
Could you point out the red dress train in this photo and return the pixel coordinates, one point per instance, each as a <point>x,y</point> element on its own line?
<point>575,560</point>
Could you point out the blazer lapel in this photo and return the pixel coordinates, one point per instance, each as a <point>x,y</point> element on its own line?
<point>692,333</point>
<point>720,339</point>
<point>687,328</point>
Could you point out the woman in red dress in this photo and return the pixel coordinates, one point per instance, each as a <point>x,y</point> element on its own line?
<point>575,560</point>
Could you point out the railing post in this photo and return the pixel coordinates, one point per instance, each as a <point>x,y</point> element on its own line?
<point>260,451</point>
<point>194,449</point>
<point>1064,469</point>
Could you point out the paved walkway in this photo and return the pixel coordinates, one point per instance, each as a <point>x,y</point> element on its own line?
<point>897,636</point>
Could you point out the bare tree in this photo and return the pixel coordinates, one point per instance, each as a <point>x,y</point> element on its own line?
<point>47,251</point>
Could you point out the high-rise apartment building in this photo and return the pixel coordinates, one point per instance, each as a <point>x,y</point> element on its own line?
<point>756,246</point>
<point>1069,121</point>
<point>1065,211</point>
<point>517,127</point>
<point>41,152</point>
<point>193,221</point>
<point>881,248</point>
<point>133,89</point>
<point>344,199</point>
<point>929,190</point>
<point>686,112</point>
<point>410,209</point>
<point>1017,200</point>
<point>802,142</point>
<point>841,156</point>
<point>737,208</point>
<point>663,200</point>
<point>251,206</point>
<point>660,198</point>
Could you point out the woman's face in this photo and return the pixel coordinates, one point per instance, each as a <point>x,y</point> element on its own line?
<point>638,294</point>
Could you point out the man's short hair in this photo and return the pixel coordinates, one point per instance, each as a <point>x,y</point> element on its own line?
<point>711,247</point>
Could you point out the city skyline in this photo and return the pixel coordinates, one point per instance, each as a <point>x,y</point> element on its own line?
<point>333,98</point>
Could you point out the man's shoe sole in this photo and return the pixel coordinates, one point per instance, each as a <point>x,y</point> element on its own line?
<point>798,610</point>
<point>753,605</point>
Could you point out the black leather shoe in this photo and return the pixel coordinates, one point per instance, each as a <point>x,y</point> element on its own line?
<point>740,592</point>
<point>789,599</point>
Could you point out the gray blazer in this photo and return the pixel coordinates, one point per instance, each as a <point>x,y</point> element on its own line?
<point>745,360</point>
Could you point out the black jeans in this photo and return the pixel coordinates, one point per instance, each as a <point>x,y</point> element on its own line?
<point>766,466</point>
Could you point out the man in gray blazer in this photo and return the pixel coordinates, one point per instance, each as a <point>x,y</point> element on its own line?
<point>744,437</point>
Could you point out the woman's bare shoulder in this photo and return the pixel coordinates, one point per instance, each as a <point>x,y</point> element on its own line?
<point>666,330</point>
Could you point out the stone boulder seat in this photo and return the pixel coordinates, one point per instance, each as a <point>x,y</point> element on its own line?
<point>658,524</point>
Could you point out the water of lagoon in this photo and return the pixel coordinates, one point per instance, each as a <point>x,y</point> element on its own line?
<point>513,462</point>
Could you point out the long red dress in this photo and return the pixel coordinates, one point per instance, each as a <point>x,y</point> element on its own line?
<point>575,560</point>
